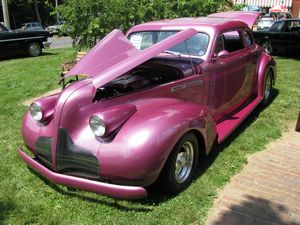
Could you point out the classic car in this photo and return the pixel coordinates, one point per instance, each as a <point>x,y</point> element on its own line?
<point>145,107</point>
<point>32,26</point>
<point>283,36</point>
<point>56,29</point>
<point>249,17</point>
<point>22,42</point>
<point>265,23</point>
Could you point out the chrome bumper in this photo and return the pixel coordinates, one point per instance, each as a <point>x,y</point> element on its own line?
<point>111,190</point>
<point>47,44</point>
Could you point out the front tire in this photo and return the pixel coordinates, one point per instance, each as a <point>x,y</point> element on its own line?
<point>181,165</point>
<point>267,47</point>
<point>33,49</point>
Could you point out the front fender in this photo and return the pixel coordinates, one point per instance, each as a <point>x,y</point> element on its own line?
<point>265,63</point>
<point>141,147</point>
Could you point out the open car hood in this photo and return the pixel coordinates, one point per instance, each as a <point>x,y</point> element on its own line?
<point>247,17</point>
<point>114,55</point>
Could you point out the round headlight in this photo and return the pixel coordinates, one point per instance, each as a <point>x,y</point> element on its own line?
<point>36,112</point>
<point>97,125</point>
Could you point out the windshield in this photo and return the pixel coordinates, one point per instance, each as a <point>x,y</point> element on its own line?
<point>196,45</point>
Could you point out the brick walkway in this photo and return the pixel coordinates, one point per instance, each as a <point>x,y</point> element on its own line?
<point>266,191</point>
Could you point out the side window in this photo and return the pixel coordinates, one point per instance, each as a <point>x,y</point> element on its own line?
<point>232,41</point>
<point>277,26</point>
<point>219,44</point>
<point>295,27</point>
<point>248,38</point>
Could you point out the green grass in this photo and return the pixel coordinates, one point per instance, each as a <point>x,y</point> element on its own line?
<point>28,199</point>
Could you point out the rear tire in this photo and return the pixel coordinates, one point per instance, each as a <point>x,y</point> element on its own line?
<point>181,165</point>
<point>33,49</point>
<point>268,88</point>
<point>267,47</point>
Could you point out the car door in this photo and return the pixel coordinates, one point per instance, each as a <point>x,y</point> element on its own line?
<point>8,43</point>
<point>277,36</point>
<point>252,57</point>
<point>294,35</point>
<point>295,32</point>
<point>286,37</point>
<point>231,77</point>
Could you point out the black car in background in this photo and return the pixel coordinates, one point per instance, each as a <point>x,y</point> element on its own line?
<point>283,36</point>
<point>22,42</point>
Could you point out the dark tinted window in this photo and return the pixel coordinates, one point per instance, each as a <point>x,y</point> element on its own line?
<point>277,26</point>
<point>293,26</point>
<point>248,38</point>
<point>232,41</point>
<point>219,44</point>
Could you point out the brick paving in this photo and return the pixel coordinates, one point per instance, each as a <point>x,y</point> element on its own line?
<point>266,191</point>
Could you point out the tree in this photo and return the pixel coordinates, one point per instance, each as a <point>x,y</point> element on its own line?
<point>37,12</point>
<point>22,11</point>
<point>90,20</point>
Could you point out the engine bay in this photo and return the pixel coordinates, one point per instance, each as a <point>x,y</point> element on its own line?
<point>154,72</point>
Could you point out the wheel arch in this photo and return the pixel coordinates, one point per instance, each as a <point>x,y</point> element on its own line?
<point>28,42</point>
<point>166,125</point>
<point>266,63</point>
<point>201,142</point>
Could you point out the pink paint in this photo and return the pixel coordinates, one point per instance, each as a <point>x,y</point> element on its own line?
<point>148,100</point>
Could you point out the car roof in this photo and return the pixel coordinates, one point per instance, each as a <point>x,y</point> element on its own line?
<point>32,23</point>
<point>203,24</point>
<point>293,19</point>
<point>266,18</point>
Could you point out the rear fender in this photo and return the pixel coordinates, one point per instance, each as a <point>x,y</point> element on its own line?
<point>265,63</point>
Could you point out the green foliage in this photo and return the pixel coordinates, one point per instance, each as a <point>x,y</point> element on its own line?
<point>22,11</point>
<point>90,20</point>
<point>238,7</point>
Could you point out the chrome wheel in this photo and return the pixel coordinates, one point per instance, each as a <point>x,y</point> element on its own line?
<point>267,47</point>
<point>268,87</point>
<point>34,49</point>
<point>184,162</point>
<point>181,165</point>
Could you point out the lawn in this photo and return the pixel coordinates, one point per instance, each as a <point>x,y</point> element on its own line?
<point>25,198</point>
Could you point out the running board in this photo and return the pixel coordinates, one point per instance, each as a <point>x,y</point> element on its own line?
<point>225,128</point>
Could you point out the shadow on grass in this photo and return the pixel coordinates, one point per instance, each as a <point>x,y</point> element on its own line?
<point>254,210</point>
<point>209,160</point>
<point>154,196</point>
<point>4,208</point>
<point>71,192</point>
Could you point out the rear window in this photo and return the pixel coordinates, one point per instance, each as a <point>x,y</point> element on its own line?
<point>196,45</point>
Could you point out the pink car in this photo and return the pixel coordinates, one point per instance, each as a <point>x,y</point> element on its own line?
<point>151,104</point>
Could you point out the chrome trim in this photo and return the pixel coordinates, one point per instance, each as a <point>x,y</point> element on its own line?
<point>19,39</point>
<point>186,85</point>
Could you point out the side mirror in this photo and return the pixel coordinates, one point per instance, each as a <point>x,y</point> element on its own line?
<point>221,54</point>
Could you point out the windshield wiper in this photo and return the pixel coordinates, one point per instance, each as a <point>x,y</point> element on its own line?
<point>172,53</point>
